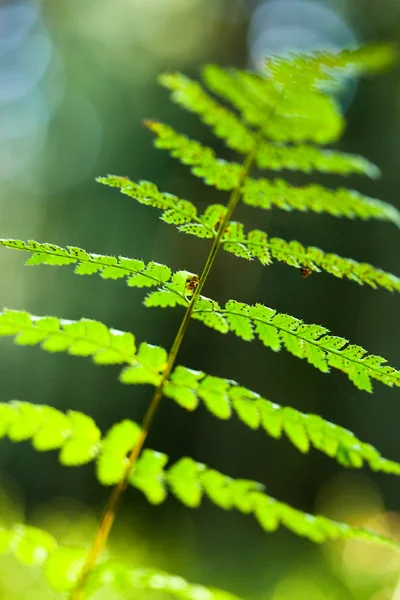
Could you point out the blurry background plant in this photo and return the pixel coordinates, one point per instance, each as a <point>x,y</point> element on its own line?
<point>76,80</point>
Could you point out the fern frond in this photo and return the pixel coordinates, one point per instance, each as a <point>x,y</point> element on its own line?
<point>136,272</point>
<point>312,116</point>
<point>178,212</point>
<point>262,193</point>
<point>227,126</point>
<point>79,338</point>
<point>225,175</point>
<point>310,342</point>
<point>222,174</point>
<point>175,210</point>
<point>189,481</point>
<point>92,338</point>
<point>224,396</point>
<point>297,90</point>
<point>256,244</point>
<point>76,435</point>
<point>306,158</point>
<point>62,565</point>
<point>171,294</point>
<point>323,69</point>
<point>122,578</point>
<point>224,123</point>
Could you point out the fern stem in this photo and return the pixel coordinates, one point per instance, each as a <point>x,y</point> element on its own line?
<point>113,500</point>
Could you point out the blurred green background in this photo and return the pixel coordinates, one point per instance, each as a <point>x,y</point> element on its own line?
<point>77,78</point>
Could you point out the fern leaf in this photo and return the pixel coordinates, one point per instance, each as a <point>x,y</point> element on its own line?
<point>265,194</point>
<point>150,364</point>
<point>74,434</point>
<point>176,211</point>
<point>295,93</point>
<point>79,338</point>
<point>137,274</point>
<point>188,480</point>
<point>314,117</point>
<point>148,476</point>
<point>92,338</point>
<point>188,388</point>
<point>62,565</point>
<point>225,124</point>
<point>309,342</point>
<point>225,175</point>
<point>253,245</point>
<point>261,193</point>
<point>121,578</point>
<point>181,213</point>
<point>171,294</point>
<point>29,545</point>
<point>222,174</point>
<point>305,158</point>
<point>188,221</point>
<point>257,245</point>
<point>112,461</point>
<point>323,69</point>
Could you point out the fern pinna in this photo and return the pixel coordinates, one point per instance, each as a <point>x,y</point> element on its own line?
<point>279,121</point>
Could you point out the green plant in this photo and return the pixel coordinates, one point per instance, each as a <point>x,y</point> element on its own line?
<point>278,117</point>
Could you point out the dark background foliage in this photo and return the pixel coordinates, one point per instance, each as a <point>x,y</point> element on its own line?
<point>77,79</point>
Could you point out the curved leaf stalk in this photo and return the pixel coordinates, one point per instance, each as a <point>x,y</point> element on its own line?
<point>113,500</point>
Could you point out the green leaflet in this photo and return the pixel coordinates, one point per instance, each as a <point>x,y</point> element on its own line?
<point>171,294</point>
<point>222,396</point>
<point>148,475</point>
<point>136,273</point>
<point>78,438</point>
<point>276,157</point>
<point>291,102</point>
<point>253,245</point>
<point>323,69</point>
<point>181,213</point>
<point>187,480</point>
<point>265,194</point>
<point>225,124</point>
<point>62,565</point>
<point>79,338</point>
<point>150,364</point>
<point>122,579</point>
<point>112,461</point>
<point>257,245</point>
<point>30,545</point>
<point>74,434</point>
<point>215,171</point>
<point>176,211</point>
<point>304,341</point>
<point>225,175</point>
<point>280,116</point>
<point>89,338</point>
